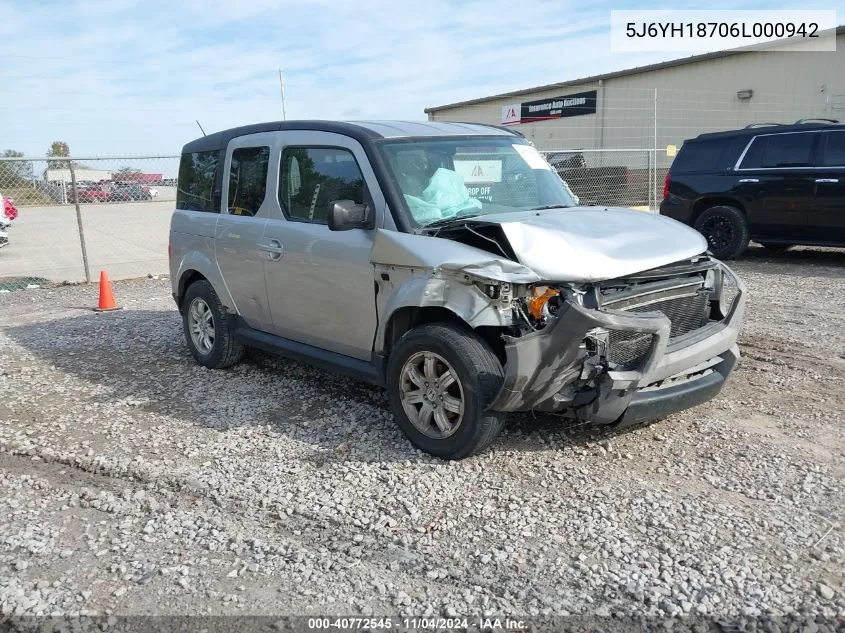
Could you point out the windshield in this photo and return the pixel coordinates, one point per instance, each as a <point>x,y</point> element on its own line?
<point>451,178</point>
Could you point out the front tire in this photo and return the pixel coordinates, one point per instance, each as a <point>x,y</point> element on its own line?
<point>725,230</point>
<point>441,379</point>
<point>208,329</point>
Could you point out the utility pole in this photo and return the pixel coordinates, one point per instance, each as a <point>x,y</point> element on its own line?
<point>282,86</point>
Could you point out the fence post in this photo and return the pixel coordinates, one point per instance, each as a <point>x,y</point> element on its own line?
<point>79,223</point>
<point>654,147</point>
<point>648,168</point>
<point>657,184</point>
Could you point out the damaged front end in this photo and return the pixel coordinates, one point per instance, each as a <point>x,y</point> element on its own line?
<point>627,350</point>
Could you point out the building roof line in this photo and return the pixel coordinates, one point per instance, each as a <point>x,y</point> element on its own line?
<point>636,70</point>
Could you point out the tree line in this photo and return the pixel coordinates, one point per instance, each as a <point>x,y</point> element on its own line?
<point>19,172</point>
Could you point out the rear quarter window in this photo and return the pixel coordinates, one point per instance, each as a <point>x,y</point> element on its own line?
<point>698,156</point>
<point>195,186</point>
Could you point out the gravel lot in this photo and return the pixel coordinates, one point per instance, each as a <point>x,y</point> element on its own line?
<point>132,481</point>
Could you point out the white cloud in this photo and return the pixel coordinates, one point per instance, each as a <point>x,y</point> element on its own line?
<point>130,76</point>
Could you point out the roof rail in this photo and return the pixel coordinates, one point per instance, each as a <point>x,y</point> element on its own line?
<point>811,120</point>
<point>753,125</point>
<point>493,125</point>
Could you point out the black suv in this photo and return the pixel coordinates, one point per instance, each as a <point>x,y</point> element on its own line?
<point>778,185</point>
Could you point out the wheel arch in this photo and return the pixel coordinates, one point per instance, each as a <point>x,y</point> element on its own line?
<point>195,266</point>
<point>406,318</point>
<point>188,277</point>
<point>702,204</point>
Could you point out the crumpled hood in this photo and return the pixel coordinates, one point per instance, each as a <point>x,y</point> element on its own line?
<point>584,244</point>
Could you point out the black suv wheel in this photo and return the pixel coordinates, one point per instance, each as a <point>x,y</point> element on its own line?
<point>441,380</point>
<point>725,229</point>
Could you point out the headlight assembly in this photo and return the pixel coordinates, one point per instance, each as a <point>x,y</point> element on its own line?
<point>728,291</point>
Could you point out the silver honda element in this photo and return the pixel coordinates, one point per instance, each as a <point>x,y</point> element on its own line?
<point>448,263</point>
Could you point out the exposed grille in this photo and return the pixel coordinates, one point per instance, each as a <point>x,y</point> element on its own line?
<point>627,349</point>
<point>686,313</point>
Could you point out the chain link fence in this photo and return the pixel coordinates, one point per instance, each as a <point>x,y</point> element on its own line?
<point>77,216</point>
<point>610,177</point>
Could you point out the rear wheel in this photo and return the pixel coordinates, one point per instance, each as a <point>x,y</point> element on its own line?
<point>207,328</point>
<point>441,380</point>
<point>725,230</point>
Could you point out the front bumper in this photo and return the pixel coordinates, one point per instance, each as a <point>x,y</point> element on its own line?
<point>551,370</point>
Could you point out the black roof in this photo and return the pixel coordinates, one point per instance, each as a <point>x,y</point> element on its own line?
<point>362,131</point>
<point>773,128</point>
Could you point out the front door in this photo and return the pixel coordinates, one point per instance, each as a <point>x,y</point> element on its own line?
<point>827,220</point>
<point>322,289</point>
<point>239,247</point>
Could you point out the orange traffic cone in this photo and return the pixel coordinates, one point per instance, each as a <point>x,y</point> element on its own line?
<point>106,297</point>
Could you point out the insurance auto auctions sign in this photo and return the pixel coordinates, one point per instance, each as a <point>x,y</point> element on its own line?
<point>552,108</point>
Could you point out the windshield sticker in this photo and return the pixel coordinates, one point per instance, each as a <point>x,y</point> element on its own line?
<point>479,171</point>
<point>531,156</point>
<point>485,194</point>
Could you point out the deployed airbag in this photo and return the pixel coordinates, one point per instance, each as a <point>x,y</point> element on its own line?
<point>445,196</point>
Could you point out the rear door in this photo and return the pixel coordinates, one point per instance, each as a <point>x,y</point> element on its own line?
<point>322,288</point>
<point>827,220</point>
<point>775,178</point>
<point>239,246</point>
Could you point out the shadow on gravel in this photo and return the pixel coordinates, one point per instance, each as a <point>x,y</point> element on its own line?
<point>138,362</point>
<point>798,256</point>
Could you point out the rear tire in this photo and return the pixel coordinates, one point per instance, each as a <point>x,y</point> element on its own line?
<point>441,379</point>
<point>208,328</point>
<point>725,230</point>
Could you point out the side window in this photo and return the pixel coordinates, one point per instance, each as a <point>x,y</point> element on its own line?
<point>700,156</point>
<point>780,150</point>
<point>195,186</point>
<point>312,177</point>
<point>248,180</point>
<point>834,150</point>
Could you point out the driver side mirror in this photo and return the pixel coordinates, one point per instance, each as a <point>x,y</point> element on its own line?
<point>346,214</point>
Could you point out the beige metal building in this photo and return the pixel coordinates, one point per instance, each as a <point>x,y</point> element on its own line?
<point>83,174</point>
<point>663,104</point>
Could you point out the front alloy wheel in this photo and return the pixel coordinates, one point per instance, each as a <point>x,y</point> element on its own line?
<point>441,379</point>
<point>201,325</point>
<point>432,395</point>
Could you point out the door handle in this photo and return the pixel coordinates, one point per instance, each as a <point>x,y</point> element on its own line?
<point>749,180</point>
<point>828,180</point>
<point>273,248</point>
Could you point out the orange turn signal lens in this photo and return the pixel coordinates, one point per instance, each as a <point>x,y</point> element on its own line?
<point>541,297</point>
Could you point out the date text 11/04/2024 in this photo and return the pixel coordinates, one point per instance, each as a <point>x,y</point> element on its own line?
<point>422,623</point>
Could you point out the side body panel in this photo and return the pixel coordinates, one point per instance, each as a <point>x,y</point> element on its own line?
<point>192,249</point>
<point>417,271</point>
<point>827,219</point>
<point>779,203</point>
<point>322,289</point>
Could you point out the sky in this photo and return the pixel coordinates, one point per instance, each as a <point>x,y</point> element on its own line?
<point>130,77</point>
